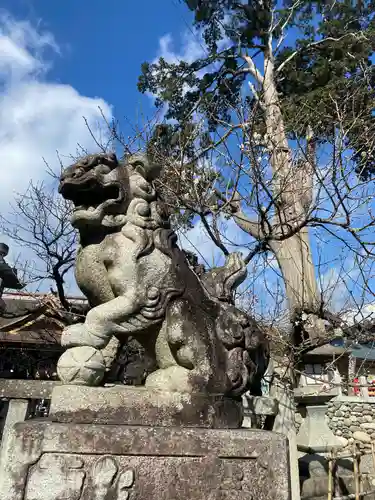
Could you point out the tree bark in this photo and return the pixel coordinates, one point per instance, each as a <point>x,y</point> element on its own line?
<point>295,261</point>
<point>292,195</point>
<point>291,188</point>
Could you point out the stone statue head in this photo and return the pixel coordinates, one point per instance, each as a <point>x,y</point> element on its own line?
<point>101,188</point>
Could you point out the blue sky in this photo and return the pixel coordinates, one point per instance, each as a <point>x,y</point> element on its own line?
<point>62,60</point>
<point>102,44</point>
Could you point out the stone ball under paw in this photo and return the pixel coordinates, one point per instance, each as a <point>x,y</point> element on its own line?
<point>81,366</point>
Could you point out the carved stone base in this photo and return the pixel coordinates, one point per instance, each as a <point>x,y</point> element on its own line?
<point>55,461</point>
<point>121,404</point>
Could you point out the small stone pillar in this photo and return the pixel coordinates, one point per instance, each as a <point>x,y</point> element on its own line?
<point>314,433</point>
<point>17,410</point>
<point>282,390</point>
<point>364,388</point>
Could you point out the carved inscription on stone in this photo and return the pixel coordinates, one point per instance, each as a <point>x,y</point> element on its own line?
<point>59,476</point>
<point>106,481</point>
<point>56,477</point>
<point>64,477</point>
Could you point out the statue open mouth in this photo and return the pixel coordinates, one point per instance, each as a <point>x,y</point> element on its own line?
<point>95,191</point>
<point>94,201</point>
<point>91,194</point>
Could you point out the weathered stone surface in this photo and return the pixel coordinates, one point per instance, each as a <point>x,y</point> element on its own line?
<point>357,408</point>
<point>368,425</point>
<point>314,431</point>
<point>56,476</point>
<point>317,488</point>
<point>358,416</point>
<point>26,389</point>
<point>362,437</point>
<point>138,406</point>
<point>82,365</point>
<point>17,412</point>
<point>257,407</point>
<point>176,438</point>
<point>355,428</point>
<point>261,405</point>
<point>140,284</point>
<point>343,441</point>
<point>87,462</point>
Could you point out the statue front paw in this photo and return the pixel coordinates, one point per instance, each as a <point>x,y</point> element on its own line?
<point>172,379</point>
<point>78,335</point>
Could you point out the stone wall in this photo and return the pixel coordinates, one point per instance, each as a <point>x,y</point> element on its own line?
<point>353,419</point>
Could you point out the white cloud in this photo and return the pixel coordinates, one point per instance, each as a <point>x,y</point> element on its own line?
<point>364,313</point>
<point>192,48</point>
<point>38,117</point>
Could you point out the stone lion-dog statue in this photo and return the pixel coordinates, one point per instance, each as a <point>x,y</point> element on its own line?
<point>139,284</point>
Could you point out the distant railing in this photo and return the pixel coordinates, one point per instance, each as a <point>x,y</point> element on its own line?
<point>26,389</point>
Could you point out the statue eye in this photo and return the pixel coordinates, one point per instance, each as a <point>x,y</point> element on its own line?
<point>103,169</point>
<point>78,172</point>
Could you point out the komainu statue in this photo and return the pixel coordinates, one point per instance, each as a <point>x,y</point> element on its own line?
<point>140,284</point>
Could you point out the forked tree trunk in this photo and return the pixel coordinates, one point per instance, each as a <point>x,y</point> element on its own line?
<point>292,195</point>
<point>292,192</point>
<point>287,236</point>
<point>293,255</point>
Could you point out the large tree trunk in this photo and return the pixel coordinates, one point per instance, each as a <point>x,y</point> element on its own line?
<point>291,188</point>
<point>287,236</point>
<point>295,261</point>
<point>293,253</point>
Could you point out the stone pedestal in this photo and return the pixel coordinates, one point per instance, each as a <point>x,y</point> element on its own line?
<point>138,406</point>
<point>314,433</point>
<point>100,461</point>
